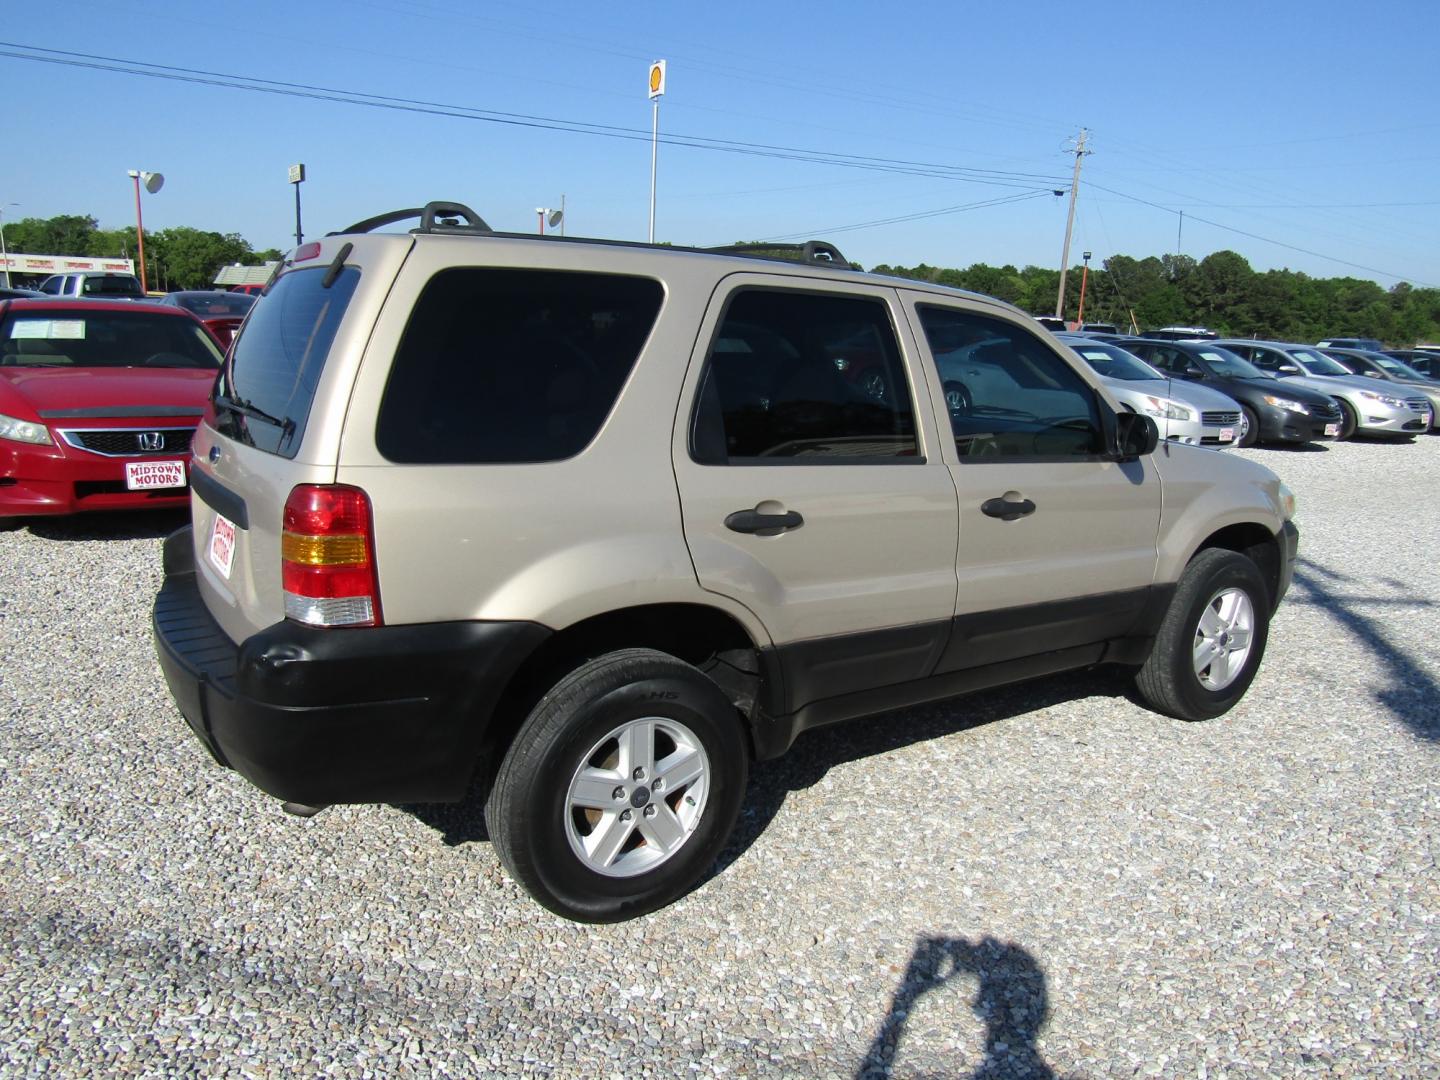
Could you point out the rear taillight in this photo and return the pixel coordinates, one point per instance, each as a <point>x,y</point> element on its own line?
<point>327,556</point>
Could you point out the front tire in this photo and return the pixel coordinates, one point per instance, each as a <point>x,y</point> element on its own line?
<point>621,787</point>
<point>1211,640</point>
<point>1252,427</point>
<point>1349,421</point>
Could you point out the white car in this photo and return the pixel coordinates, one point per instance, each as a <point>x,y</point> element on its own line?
<point>1182,411</point>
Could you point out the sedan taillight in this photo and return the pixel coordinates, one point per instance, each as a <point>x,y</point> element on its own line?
<point>327,556</point>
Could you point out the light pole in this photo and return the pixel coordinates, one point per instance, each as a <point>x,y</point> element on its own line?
<point>153,182</point>
<point>554,217</point>
<point>5,255</point>
<point>1084,275</point>
<point>657,91</point>
<point>297,177</point>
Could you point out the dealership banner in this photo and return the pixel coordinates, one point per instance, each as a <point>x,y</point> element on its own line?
<point>62,264</point>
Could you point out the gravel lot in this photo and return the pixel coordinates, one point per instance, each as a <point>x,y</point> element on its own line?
<point>1046,880</point>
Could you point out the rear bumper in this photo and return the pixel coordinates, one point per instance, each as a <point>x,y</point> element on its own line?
<point>385,714</point>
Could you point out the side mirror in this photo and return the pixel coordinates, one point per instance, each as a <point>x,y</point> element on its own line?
<point>1135,436</point>
<point>1288,369</point>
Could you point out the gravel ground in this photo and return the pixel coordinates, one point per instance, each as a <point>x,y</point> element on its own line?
<point>1041,881</point>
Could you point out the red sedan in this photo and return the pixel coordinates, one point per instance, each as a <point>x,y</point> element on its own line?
<point>98,403</point>
<point>221,312</point>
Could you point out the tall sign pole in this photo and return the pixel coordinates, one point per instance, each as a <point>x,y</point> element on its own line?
<point>657,91</point>
<point>1080,153</point>
<point>297,177</point>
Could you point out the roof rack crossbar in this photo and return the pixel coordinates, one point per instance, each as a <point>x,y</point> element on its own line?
<point>812,251</point>
<point>435,217</point>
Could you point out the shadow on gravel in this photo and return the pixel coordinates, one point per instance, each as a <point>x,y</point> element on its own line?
<point>1413,695</point>
<point>140,525</point>
<point>1010,999</point>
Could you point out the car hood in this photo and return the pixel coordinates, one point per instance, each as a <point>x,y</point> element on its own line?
<point>1251,390</point>
<point>1202,397</point>
<point>64,393</point>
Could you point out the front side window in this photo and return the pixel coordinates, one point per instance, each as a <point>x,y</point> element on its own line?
<point>505,366</point>
<point>804,379</point>
<point>1008,395</point>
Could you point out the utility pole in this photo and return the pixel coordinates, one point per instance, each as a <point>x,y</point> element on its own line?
<point>1080,152</point>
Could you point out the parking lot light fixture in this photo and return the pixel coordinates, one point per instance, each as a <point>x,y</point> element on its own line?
<point>153,182</point>
<point>5,255</point>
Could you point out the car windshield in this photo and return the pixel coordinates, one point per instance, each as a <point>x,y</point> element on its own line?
<point>1396,368</point>
<point>1115,363</point>
<point>1226,364</point>
<point>215,303</point>
<point>105,339</point>
<point>1317,363</point>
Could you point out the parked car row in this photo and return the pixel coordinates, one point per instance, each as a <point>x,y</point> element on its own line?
<point>1287,392</point>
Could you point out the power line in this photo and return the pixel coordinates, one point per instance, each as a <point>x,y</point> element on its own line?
<point>1262,239</point>
<point>120,65</point>
<point>919,215</point>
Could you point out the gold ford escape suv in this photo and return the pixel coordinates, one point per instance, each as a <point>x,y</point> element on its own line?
<point>594,524</point>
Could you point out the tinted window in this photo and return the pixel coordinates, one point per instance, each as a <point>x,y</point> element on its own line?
<point>1115,363</point>
<point>804,377</point>
<point>105,338</point>
<point>51,285</point>
<point>501,365</point>
<point>110,285</point>
<point>1009,395</point>
<point>275,363</point>
<point>1225,363</point>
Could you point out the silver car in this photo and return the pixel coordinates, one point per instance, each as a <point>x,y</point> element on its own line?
<point>1182,411</point>
<point>1365,407</point>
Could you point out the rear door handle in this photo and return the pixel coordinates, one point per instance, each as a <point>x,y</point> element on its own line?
<point>1006,510</point>
<point>752,521</point>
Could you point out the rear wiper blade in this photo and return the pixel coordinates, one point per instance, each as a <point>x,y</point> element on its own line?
<point>244,408</point>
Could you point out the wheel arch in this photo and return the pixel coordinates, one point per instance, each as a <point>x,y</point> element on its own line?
<point>1255,542</point>
<point>708,638</point>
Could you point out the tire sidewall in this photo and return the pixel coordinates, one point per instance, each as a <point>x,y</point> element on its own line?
<point>1252,435</point>
<point>562,882</point>
<point>1236,572</point>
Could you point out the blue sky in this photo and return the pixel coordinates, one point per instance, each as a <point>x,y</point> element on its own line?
<point>1312,124</point>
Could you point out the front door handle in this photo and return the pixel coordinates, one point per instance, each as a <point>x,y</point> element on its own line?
<point>1006,510</point>
<point>752,521</point>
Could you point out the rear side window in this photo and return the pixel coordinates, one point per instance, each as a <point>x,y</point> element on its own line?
<point>111,285</point>
<point>270,381</point>
<point>804,379</point>
<point>502,366</point>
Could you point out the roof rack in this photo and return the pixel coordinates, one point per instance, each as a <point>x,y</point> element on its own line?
<point>435,217</point>
<point>457,218</point>
<point>812,251</point>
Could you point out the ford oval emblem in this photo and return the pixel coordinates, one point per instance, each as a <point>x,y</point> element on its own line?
<point>214,453</point>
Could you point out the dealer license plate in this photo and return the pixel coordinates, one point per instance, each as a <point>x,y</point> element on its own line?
<point>222,545</point>
<point>149,475</point>
<point>1332,429</point>
<point>1227,434</point>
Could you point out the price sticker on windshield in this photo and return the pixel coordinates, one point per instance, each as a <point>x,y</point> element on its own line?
<point>222,545</point>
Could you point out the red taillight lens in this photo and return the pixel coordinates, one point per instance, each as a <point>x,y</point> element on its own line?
<point>327,557</point>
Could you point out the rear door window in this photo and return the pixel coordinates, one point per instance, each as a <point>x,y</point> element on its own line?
<point>505,366</point>
<point>264,394</point>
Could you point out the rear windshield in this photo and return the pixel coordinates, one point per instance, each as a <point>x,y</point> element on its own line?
<point>264,397</point>
<point>501,365</point>
<point>110,285</point>
<point>215,303</point>
<point>105,338</point>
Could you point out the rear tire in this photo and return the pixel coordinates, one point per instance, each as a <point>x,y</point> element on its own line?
<point>1211,640</point>
<point>1348,420</point>
<point>1252,427</point>
<point>620,788</point>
